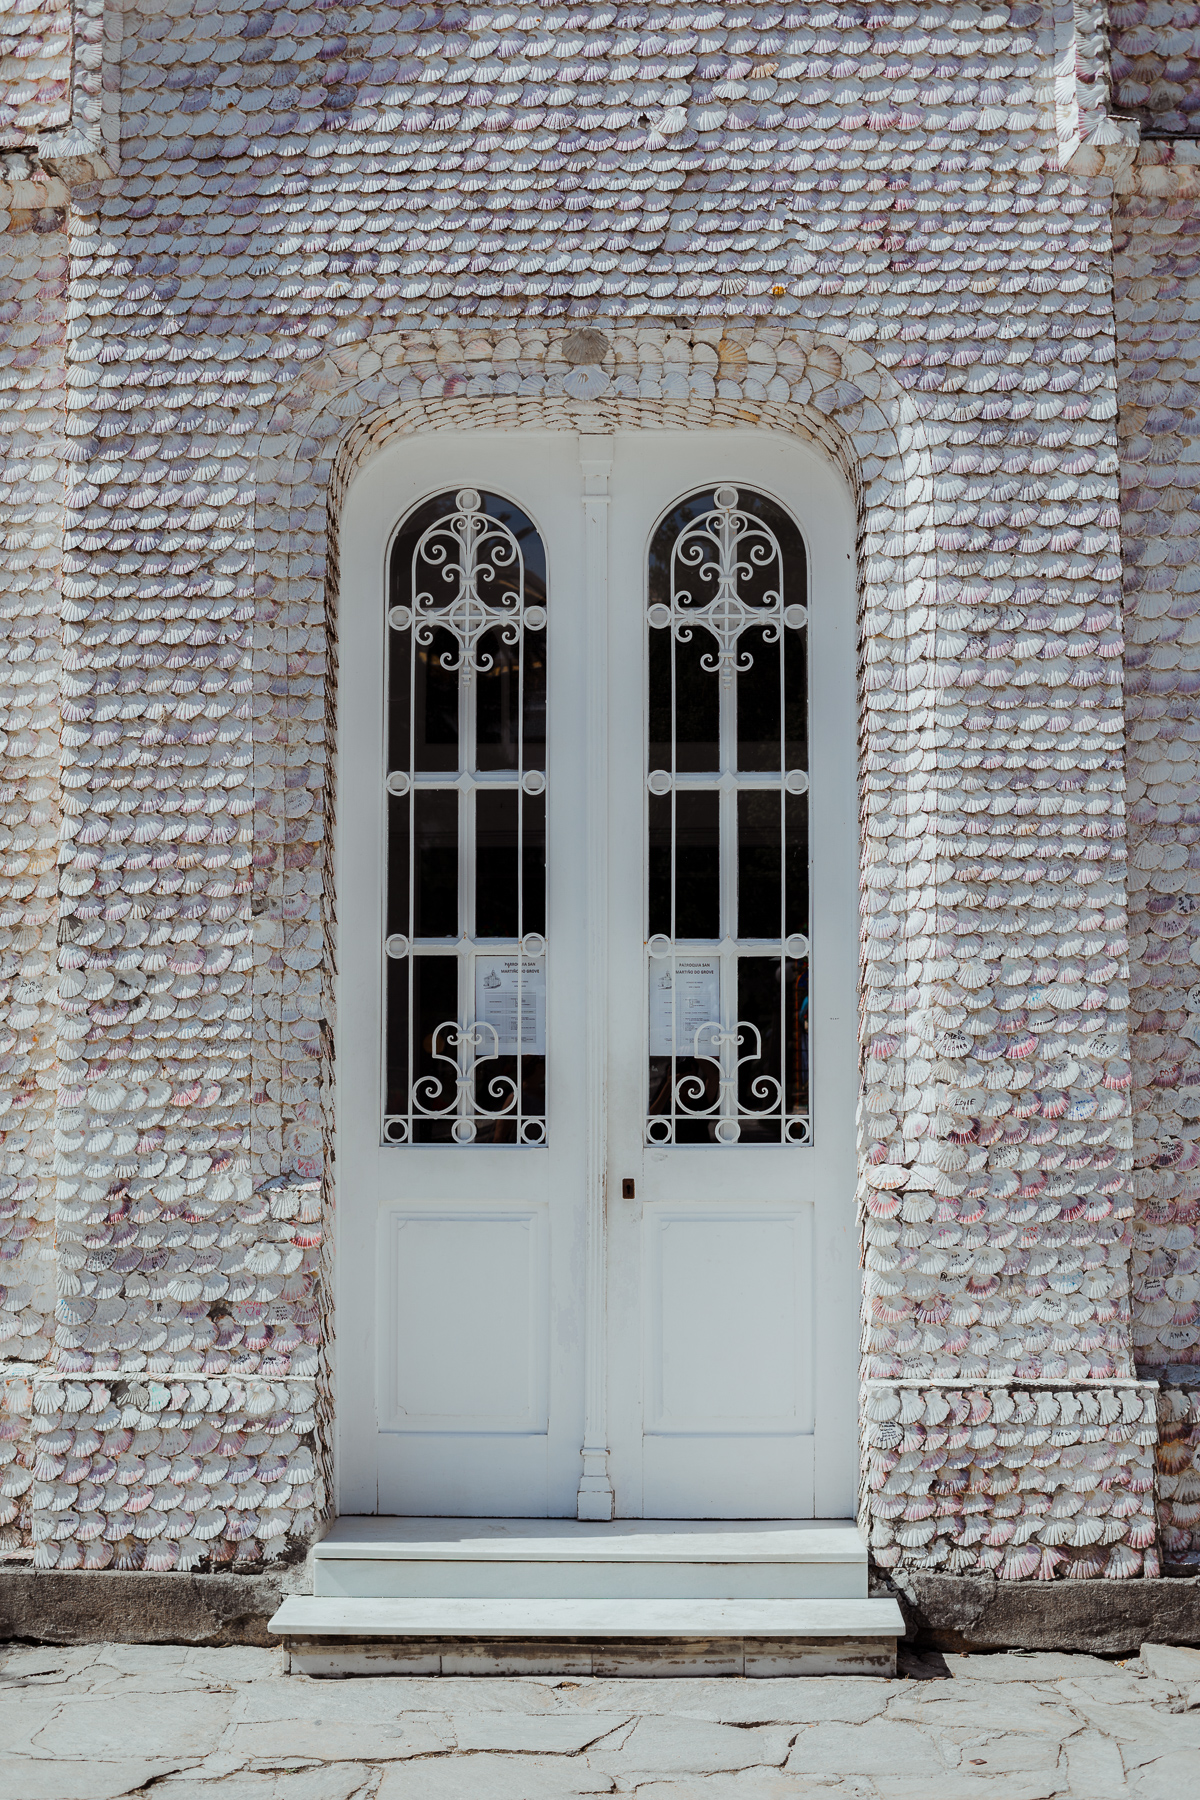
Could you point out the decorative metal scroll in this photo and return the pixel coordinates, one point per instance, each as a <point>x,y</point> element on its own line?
<point>727,925</point>
<point>724,1108</point>
<point>463,964</point>
<point>466,1097</point>
<point>718,554</point>
<point>478,561</point>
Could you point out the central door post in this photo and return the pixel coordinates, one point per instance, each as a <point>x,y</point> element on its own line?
<point>595,1499</point>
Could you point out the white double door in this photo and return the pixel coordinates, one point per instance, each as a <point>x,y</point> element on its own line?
<point>665,1270</point>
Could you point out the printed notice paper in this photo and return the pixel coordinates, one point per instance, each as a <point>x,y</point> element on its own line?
<point>695,983</point>
<point>497,999</point>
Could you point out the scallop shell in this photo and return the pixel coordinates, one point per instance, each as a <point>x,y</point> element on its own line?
<point>1123,1562</point>
<point>1087,1566</point>
<point>1020,1561</point>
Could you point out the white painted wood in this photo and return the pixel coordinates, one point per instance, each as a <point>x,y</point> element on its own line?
<point>743,1403</point>
<point>410,1347</point>
<point>305,1616</point>
<point>512,1334</point>
<point>595,1498</point>
<point>461,1278</point>
<point>726,1342</point>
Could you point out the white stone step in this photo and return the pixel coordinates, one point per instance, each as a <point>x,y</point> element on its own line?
<point>567,1559</point>
<point>302,1616</point>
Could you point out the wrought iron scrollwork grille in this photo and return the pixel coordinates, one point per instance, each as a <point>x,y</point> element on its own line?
<point>464,953</point>
<point>727,928</point>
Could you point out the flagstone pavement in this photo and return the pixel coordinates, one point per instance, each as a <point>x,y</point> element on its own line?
<point>107,1720</point>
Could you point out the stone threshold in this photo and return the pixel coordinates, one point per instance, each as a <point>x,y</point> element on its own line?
<point>945,1612</point>
<point>336,1658</point>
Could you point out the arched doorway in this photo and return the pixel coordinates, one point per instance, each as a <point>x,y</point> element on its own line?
<point>596,810</point>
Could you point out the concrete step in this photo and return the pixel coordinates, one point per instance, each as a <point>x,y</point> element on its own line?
<point>569,1559</point>
<point>337,1636</point>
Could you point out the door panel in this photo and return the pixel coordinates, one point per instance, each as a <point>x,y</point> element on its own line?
<point>733,955</point>
<point>452,1281</point>
<point>461,900</point>
<point>726,1320</point>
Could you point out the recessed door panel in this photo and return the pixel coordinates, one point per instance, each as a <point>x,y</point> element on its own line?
<point>466,1301</point>
<point>728,1315</point>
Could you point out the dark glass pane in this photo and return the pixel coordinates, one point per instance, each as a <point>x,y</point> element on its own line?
<point>697,706</point>
<point>796,1023</point>
<point>435,837</point>
<point>435,1004</point>
<point>535,699</point>
<point>399,653</point>
<point>496,862</point>
<point>759,694</point>
<point>533,898</point>
<point>659,911</point>
<point>795,678</point>
<point>658,651</point>
<point>659,569</point>
<point>760,830</point>
<point>533,553</point>
<point>435,746</point>
<point>759,1006</point>
<point>697,865</point>
<point>396,973</point>
<point>498,704</point>
<point>796,816</point>
<point>397,866</point>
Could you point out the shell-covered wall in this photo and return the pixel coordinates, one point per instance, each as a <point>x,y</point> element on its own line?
<point>1156,64</point>
<point>33,272</point>
<point>838,220</point>
<point>1157,289</point>
<point>35,69</point>
<point>1016,1482</point>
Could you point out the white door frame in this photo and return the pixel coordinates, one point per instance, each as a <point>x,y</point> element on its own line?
<point>596,1347</point>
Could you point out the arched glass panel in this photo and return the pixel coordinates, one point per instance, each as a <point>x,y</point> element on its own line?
<point>465,794</point>
<point>727,929</point>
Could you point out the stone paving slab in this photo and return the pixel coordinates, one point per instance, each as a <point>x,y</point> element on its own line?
<point>104,1721</point>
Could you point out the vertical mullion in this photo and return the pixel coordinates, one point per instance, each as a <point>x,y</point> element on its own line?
<point>521,856</point>
<point>728,865</point>
<point>783,867</point>
<point>674,648</point>
<point>412,863</point>
<point>467,793</point>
